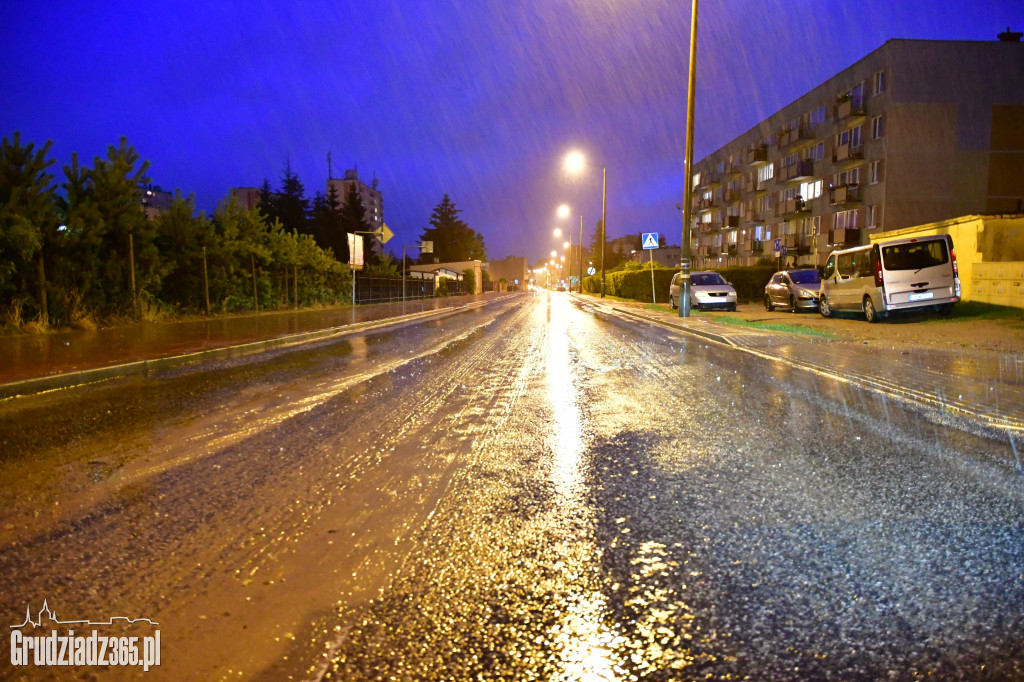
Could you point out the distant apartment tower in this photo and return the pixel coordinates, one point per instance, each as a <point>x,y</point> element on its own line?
<point>916,132</point>
<point>246,197</point>
<point>371,197</point>
<point>154,200</point>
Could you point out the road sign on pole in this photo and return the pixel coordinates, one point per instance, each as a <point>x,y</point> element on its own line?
<point>650,240</point>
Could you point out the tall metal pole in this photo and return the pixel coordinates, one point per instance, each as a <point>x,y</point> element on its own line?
<point>581,253</point>
<point>684,296</point>
<point>570,261</point>
<point>604,225</point>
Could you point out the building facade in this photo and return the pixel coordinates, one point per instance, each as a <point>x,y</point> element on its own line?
<point>247,198</point>
<point>916,132</point>
<point>373,201</point>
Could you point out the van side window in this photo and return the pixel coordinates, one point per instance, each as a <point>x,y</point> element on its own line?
<point>846,265</point>
<point>864,265</point>
<point>830,267</point>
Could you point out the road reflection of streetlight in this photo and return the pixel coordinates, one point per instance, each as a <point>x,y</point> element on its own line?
<point>574,163</point>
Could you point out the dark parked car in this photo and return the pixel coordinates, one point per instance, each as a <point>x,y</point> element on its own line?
<point>793,289</point>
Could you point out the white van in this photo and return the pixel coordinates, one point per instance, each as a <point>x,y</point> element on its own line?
<point>892,275</point>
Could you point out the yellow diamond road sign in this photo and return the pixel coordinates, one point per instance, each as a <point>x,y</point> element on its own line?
<point>385,234</point>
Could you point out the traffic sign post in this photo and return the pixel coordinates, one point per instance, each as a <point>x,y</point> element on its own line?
<point>650,242</point>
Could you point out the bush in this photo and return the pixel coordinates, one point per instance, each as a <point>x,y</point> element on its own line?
<point>749,282</point>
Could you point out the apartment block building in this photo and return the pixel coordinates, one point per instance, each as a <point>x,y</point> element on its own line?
<point>372,199</point>
<point>916,132</point>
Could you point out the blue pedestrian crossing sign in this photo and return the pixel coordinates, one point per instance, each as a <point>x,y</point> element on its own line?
<point>650,240</point>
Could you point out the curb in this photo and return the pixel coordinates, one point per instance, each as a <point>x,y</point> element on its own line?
<point>145,368</point>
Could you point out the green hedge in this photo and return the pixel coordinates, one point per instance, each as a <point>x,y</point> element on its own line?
<point>636,284</point>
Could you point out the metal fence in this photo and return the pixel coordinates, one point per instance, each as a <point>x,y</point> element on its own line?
<point>389,289</point>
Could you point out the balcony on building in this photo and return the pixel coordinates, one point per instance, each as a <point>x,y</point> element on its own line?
<point>791,207</point>
<point>849,108</point>
<point>731,195</point>
<point>702,204</point>
<point>755,217</point>
<point>847,153</point>
<point>791,136</point>
<point>845,236</point>
<point>844,194</point>
<point>801,170</point>
<point>709,179</point>
<point>757,155</point>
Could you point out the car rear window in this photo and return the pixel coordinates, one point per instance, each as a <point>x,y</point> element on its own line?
<point>804,276</point>
<point>915,255</point>
<point>707,278</point>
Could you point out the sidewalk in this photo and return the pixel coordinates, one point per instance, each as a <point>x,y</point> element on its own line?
<point>936,365</point>
<point>33,362</point>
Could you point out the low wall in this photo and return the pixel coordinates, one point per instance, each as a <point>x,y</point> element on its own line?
<point>998,284</point>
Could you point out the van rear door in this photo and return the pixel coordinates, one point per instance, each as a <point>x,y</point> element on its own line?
<point>918,272</point>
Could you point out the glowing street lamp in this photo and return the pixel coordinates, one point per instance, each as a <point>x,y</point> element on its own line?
<point>574,163</point>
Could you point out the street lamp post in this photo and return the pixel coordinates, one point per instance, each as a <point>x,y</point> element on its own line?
<point>575,162</point>
<point>684,294</point>
<point>581,253</point>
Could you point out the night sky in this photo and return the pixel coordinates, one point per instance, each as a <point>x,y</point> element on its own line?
<point>479,99</point>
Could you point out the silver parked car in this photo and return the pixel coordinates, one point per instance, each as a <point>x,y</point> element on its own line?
<point>793,289</point>
<point>708,291</point>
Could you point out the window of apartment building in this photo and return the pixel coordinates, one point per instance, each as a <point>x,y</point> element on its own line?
<point>707,196</point>
<point>817,152</point>
<point>759,232</point>
<point>696,179</point>
<point>791,159</point>
<point>877,129</point>
<point>812,225</point>
<point>789,193</point>
<point>734,210</point>
<point>706,218</point>
<point>810,190</point>
<point>846,220</point>
<point>720,168</point>
<point>874,172</point>
<point>872,216</point>
<point>851,137</point>
<point>817,115</point>
<point>848,177</point>
<point>766,172</point>
<point>766,204</point>
<point>856,93</point>
<point>878,83</point>
<point>732,236</point>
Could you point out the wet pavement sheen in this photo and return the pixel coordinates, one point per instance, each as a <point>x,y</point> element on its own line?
<point>534,490</point>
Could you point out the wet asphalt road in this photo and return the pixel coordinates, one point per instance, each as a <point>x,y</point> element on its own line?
<point>524,491</point>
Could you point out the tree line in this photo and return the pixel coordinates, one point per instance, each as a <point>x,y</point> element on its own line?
<point>85,249</point>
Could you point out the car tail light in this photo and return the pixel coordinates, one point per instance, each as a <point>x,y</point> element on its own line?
<point>952,256</point>
<point>878,272</point>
